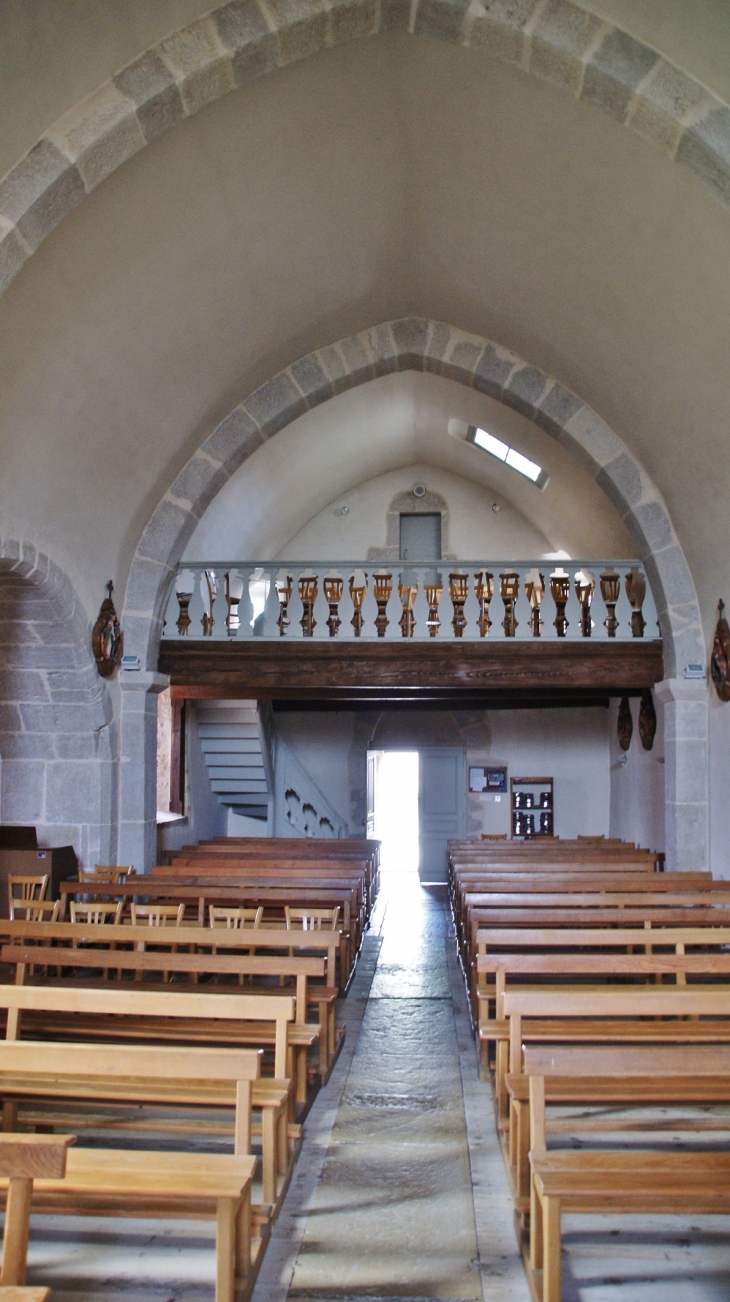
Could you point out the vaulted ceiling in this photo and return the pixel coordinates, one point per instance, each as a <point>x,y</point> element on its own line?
<point>388,177</point>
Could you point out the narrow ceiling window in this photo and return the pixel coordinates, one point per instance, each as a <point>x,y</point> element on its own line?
<point>510,456</point>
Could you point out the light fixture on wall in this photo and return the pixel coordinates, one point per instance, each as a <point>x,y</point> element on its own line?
<point>419,490</point>
<point>344,510</point>
<point>495,506</point>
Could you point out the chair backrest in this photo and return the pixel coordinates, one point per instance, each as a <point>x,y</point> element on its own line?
<point>111,872</point>
<point>96,913</point>
<point>26,889</point>
<point>36,911</point>
<point>306,919</point>
<point>235,919</point>
<point>494,836</point>
<point>157,915</point>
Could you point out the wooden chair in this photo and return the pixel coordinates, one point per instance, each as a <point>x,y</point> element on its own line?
<point>109,873</point>
<point>25,890</point>
<point>157,915</point>
<point>23,1158</point>
<point>310,919</point>
<point>45,911</point>
<point>236,920</point>
<point>96,913</point>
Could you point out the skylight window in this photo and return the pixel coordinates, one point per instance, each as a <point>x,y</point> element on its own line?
<point>510,456</point>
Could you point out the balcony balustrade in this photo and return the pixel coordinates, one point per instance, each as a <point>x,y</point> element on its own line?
<point>470,600</point>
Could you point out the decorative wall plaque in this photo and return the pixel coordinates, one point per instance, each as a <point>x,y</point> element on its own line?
<point>107,638</point>
<point>625,724</point>
<point>647,720</point>
<point>720,658</point>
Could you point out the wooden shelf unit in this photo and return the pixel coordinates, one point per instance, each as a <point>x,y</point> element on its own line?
<point>537,818</point>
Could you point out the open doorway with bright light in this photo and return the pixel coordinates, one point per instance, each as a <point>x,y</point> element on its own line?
<point>393,808</point>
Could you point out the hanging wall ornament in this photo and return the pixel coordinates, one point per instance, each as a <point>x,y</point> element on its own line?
<point>107,637</point>
<point>720,658</point>
<point>625,724</point>
<point>647,720</point>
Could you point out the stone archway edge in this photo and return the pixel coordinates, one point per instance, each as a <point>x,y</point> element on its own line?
<point>554,40</point>
<point>415,343</point>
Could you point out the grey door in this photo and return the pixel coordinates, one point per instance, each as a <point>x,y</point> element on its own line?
<point>420,537</point>
<point>441,807</point>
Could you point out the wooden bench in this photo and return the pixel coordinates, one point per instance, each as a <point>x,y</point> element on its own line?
<point>76,1014</point>
<point>23,1158</point>
<point>149,963</point>
<point>118,1182</point>
<point>635,1181</point>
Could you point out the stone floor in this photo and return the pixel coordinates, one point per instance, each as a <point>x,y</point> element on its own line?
<point>400,1190</point>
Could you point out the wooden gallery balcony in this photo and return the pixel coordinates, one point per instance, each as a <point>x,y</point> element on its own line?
<point>482,633</point>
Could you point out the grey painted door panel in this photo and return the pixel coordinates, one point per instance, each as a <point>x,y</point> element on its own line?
<point>441,807</point>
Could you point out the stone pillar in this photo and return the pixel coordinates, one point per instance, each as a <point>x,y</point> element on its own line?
<point>138,769</point>
<point>685,773</point>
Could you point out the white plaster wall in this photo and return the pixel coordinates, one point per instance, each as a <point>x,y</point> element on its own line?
<point>570,746</point>
<point>477,532</point>
<point>241,825</point>
<point>321,743</point>
<point>637,787</point>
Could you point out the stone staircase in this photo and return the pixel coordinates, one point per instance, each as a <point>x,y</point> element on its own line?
<point>236,738</point>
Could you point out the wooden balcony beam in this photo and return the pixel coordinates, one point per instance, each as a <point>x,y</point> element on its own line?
<point>550,672</point>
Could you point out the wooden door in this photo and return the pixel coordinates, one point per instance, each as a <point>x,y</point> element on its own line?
<point>441,807</point>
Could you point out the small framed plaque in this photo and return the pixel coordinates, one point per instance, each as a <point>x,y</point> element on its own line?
<point>483,779</point>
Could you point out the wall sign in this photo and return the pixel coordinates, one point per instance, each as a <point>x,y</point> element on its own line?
<point>487,779</point>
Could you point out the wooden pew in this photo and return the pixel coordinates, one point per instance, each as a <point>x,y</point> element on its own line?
<point>81,1013</point>
<point>118,1182</point>
<point>619,1181</point>
<point>23,1158</point>
<point>301,969</point>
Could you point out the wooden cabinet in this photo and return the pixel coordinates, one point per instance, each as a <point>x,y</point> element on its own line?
<point>531,807</point>
<point>59,862</point>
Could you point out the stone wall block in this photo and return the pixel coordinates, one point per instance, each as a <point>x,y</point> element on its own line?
<point>350,20</point>
<point>301,27</point>
<point>525,389</point>
<point>148,587</point>
<point>308,374</point>
<point>195,488</point>
<point>443,20</point>
<point>395,15</point>
<point>492,372</point>
<point>275,404</point>
<point>151,87</point>
<point>558,406</point>
<point>333,364</point>
<point>691,837</point>
<point>614,72</point>
<point>23,745</point>
<point>685,721</point>
<point>39,192</point>
<point>22,685</point>
<point>22,791</point>
<point>243,29</point>
<point>76,746</point>
<point>668,100</point>
<point>705,150</point>
<point>562,36</point>
<point>688,646</point>
<point>72,790</point>
<point>13,254</point>
<point>10,720</point>
<point>199,62</point>
<point>655,525</point>
<point>410,336</point>
<point>233,440</point>
<point>54,717</point>
<point>464,357</point>
<point>141,637</point>
<point>99,134</point>
<point>440,340</point>
<point>499,30</point>
<point>359,366</point>
<point>675,576</point>
<point>381,344</point>
<point>170,522</point>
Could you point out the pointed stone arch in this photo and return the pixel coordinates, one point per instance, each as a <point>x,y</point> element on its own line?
<point>560,43</point>
<point>415,343</point>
